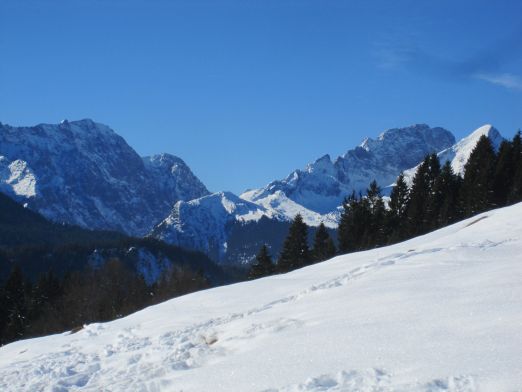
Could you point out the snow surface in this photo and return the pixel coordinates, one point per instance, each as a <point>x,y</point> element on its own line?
<point>441,312</point>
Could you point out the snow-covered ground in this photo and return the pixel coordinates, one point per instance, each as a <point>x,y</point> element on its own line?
<point>442,312</point>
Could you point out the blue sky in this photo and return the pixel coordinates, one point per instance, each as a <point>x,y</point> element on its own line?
<point>246,91</point>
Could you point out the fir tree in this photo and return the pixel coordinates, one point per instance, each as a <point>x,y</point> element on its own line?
<point>503,174</point>
<point>477,187</point>
<point>346,228</point>
<point>324,247</point>
<point>396,214</point>
<point>263,265</point>
<point>15,305</point>
<point>375,235</point>
<point>419,214</point>
<point>355,224</point>
<point>295,253</point>
<point>443,203</point>
<point>515,191</point>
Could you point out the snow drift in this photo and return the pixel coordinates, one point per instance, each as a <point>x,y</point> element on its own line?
<point>441,312</point>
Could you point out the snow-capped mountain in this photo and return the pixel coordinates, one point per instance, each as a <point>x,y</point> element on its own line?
<point>437,313</point>
<point>321,187</point>
<point>204,223</point>
<point>459,153</point>
<point>316,193</point>
<point>82,172</point>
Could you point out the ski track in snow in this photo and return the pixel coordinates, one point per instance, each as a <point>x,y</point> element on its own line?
<point>196,344</point>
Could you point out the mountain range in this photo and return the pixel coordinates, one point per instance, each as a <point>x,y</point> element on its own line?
<point>83,173</point>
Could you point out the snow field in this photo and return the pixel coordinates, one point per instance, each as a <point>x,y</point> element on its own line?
<point>441,312</point>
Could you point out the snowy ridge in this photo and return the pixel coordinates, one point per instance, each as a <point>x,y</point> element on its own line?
<point>82,172</point>
<point>459,153</point>
<point>322,185</point>
<point>441,312</point>
<point>203,223</point>
<point>317,192</point>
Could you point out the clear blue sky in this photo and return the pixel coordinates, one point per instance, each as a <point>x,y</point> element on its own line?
<point>245,91</point>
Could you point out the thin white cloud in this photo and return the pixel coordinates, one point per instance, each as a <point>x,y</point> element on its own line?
<point>506,80</point>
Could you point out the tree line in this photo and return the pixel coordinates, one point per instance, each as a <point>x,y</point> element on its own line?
<point>52,304</point>
<point>435,198</point>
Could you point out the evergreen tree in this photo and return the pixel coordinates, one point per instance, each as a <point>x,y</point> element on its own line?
<point>418,212</point>
<point>324,247</point>
<point>295,253</point>
<point>355,224</point>
<point>515,192</point>
<point>263,265</point>
<point>346,228</point>
<point>503,174</point>
<point>396,214</point>
<point>477,187</point>
<point>375,235</point>
<point>15,305</point>
<point>444,199</point>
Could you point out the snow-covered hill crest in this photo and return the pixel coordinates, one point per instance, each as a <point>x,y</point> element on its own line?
<point>82,172</point>
<point>438,313</point>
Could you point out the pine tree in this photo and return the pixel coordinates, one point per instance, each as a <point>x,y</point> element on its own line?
<point>346,228</point>
<point>515,192</point>
<point>295,253</point>
<point>477,187</point>
<point>15,305</point>
<point>355,224</point>
<point>418,212</point>
<point>376,235</point>
<point>503,174</point>
<point>263,265</point>
<point>324,247</point>
<point>396,214</point>
<point>444,198</point>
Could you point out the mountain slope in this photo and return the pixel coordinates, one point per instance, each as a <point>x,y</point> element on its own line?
<point>82,172</point>
<point>459,153</point>
<point>441,312</point>
<point>37,245</point>
<point>204,223</point>
<point>20,226</point>
<point>322,185</point>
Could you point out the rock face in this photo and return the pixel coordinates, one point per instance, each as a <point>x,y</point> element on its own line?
<point>321,187</point>
<point>82,172</point>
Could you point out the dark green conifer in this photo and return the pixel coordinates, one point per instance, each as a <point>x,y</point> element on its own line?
<point>263,265</point>
<point>324,247</point>
<point>295,253</point>
<point>444,199</point>
<point>477,187</point>
<point>396,214</point>
<point>418,213</point>
<point>504,174</point>
<point>515,192</point>
<point>15,305</point>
